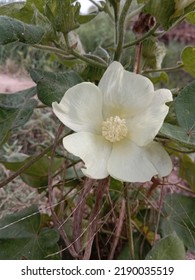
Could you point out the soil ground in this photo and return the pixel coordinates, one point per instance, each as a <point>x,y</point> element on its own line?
<point>13,83</point>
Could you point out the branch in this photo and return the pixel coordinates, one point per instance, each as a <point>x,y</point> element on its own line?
<point>121,29</point>
<point>55,218</point>
<point>28,164</point>
<point>169,69</point>
<point>93,219</point>
<point>129,223</point>
<point>119,224</point>
<point>148,34</point>
<point>84,58</point>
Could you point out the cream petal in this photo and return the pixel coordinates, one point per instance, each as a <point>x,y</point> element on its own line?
<point>93,149</point>
<point>159,158</point>
<point>81,108</point>
<point>144,126</point>
<point>129,163</point>
<point>124,93</point>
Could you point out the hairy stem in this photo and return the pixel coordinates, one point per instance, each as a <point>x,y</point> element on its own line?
<point>169,69</point>
<point>84,58</point>
<point>118,229</point>
<point>78,215</point>
<point>141,39</point>
<point>93,219</point>
<point>27,165</point>
<point>121,30</point>
<point>55,218</point>
<point>129,223</point>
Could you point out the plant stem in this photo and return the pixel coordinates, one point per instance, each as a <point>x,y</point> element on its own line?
<point>119,226</point>
<point>138,56</point>
<point>129,223</point>
<point>28,164</point>
<point>93,219</point>
<point>55,218</point>
<point>66,54</point>
<point>148,34</point>
<point>55,50</point>
<point>169,69</point>
<point>89,61</point>
<point>121,30</point>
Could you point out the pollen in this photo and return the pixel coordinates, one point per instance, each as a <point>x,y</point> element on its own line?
<point>114,129</point>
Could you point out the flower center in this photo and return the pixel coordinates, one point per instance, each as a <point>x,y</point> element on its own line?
<point>114,129</point>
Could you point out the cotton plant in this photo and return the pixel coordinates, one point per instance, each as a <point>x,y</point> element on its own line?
<point>118,129</point>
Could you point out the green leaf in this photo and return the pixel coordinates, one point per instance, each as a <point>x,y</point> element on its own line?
<point>15,110</point>
<point>12,30</point>
<point>188,58</point>
<point>22,237</point>
<point>178,134</point>
<point>41,20</point>
<point>184,108</point>
<point>11,9</point>
<point>168,248</point>
<point>179,217</point>
<point>86,18</point>
<point>187,170</point>
<point>23,11</point>
<point>52,86</point>
<point>27,12</point>
<point>63,15</point>
<point>191,17</point>
<point>37,174</point>
<point>159,77</point>
<point>162,10</point>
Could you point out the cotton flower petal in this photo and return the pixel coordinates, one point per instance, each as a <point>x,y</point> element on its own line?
<point>159,158</point>
<point>124,93</point>
<point>93,149</point>
<point>81,108</point>
<point>144,126</point>
<point>130,163</point>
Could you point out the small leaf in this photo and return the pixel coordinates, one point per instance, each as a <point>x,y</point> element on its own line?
<point>86,18</point>
<point>21,237</point>
<point>52,86</point>
<point>188,58</point>
<point>12,30</point>
<point>11,9</point>
<point>191,17</point>
<point>159,77</point>
<point>179,217</point>
<point>63,15</point>
<point>23,11</point>
<point>178,134</point>
<point>168,248</point>
<point>37,174</point>
<point>184,109</point>
<point>15,110</point>
<point>187,170</point>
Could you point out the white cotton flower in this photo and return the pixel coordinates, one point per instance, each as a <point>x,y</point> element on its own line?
<point>182,4</point>
<point>115,124</point>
